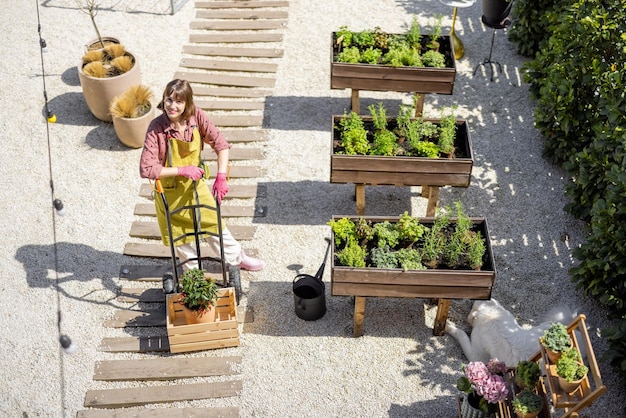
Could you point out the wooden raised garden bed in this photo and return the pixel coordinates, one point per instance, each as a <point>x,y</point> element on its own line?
<point>440,283</point>
<point>224,332</point>
<point>376,77</point>
<point>402,170</point>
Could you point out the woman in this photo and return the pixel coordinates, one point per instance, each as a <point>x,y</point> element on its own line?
<point>171,153</point>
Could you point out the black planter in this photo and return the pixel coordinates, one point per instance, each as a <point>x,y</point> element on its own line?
<point>496,11</point>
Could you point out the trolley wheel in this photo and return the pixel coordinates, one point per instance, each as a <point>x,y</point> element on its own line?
<point>234,280</point>
<point>168,283</point>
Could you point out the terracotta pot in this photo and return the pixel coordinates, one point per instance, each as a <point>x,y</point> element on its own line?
<point>99,92</point>
<point>569,387</point>
<point>132,131</point>
<point>527,415</point>
<point>191,317</point>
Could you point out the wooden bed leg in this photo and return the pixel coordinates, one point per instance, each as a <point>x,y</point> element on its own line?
<point>359,314</point>
<point>433,198</point>
<point>419,105</point>
<point>359,191</point>
<point>443,307</point>
<point>354,102</point>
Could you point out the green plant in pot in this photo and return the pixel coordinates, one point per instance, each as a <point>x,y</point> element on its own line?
<point>132,112</point>
<point>527,404</point>
<point>571,370</point>
<point>556,340</point>
<point>527,374</point>
<point>198,294</point>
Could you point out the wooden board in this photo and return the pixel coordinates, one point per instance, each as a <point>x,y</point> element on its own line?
<point>224,38</point>
<point>236,121</point>
<point>227,105</point>
<point>151,230</point>
<point>154,273</point>
<point>123,318</point>
<point>242,14</point>
<point>238,191</point>
<point>218,51</point>
<point>239,4</point>
<point>246,135</point>
<point>117,398</point>
<point>221,65</point>
<point>147,344</point>
<point>147,209</point>
<point>164,368</point>
<point>225,80</point>
<point>236,154</point>
<point>218,412</point>
<point>139,249</point>
<point>140,295</point>
<point>237,24</point>
<point>200,90</point>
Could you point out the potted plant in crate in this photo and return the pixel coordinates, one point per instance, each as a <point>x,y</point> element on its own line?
<point>132,112</point>
<point>555,340</point>
<point>402,151</point>
<point>105,71</point>
<point>198,294</point>
<point>377,60</point>
<point>527,404</point>
<point>527,374</point>
<point>483,386</point>
<point>571,370</point>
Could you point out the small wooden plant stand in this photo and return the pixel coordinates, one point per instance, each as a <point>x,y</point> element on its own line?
<point>571,403</point>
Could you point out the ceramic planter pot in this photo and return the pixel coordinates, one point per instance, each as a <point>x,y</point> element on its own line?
<point>401,170</point>
<point>495,11</point>
<point>132,131</point>
<point>99,92</point>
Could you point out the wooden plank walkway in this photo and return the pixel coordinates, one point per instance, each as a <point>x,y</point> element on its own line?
<point>231,61</point>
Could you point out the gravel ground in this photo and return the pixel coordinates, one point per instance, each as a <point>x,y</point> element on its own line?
<point>290,367</point>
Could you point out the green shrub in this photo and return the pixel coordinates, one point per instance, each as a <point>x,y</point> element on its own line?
<point>353,255</point>
<point>434,59</point>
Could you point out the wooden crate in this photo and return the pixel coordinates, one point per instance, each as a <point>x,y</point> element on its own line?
<point>374,77</point>
<point>401,170</point>
<point>224,332</point>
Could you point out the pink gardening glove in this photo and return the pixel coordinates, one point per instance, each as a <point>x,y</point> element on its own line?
<point>220,187</point>
<point>191,172</point>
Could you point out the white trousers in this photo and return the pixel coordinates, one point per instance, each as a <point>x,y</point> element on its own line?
<point>232,250</point>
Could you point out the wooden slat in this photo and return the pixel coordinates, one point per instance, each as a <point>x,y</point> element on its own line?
<point>235,154</point>
<point>139,249</point>
<point>135,344</point>
<point>237,24</point>
<point>239,4</point>
<point>154,273</point>
<point>147,209</point>
<point>117,398</point>
<point>242,14</point>
<point>150,230</point>
<point>221,65</point>
<point>209,105</point>
<point>245,135</point>
<point>237,121</point>
<point>238,191</point>
<point>240,172</point>
<point>217,412</point>
<point>233,51</point>
<point>123,318</point>
<point>200,90</point>
<point>225,80</point>
<point>164,368</point>
<point>243,38</point>
<point>140,294</point>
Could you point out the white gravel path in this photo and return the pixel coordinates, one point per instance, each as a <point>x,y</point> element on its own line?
<point>290,367</point>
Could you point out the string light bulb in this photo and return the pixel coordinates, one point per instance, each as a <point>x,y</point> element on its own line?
<point>67,344</point>
<point>58,205</point>
<point>43,45</point>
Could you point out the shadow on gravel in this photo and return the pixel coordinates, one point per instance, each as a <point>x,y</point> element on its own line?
<point>315,202</point>
<point>75,263</point>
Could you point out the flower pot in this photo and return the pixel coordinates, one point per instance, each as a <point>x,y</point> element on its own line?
<point>402,170</point>
<point>94,44</point>
<point>99,92</point>
<point>527,415</point>
<point>469,408</point>
<point>132,131</point>
<point>495,11</point>
<point>192,317</point>
<point>569,387</point>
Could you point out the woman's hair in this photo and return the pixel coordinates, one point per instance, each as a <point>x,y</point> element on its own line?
<point>180,90</point>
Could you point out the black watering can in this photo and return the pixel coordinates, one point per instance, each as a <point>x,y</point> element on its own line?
<point>309,293</point>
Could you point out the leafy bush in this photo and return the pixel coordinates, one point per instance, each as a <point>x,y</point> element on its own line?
<point>353,134</point>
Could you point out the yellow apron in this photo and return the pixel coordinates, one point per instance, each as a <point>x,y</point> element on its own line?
<point>182,191</point>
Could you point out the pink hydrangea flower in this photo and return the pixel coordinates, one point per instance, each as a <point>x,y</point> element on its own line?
<point>493,389</point>
<point>476,372</point>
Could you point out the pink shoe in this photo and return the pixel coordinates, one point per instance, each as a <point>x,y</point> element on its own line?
<point>250,263</point>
